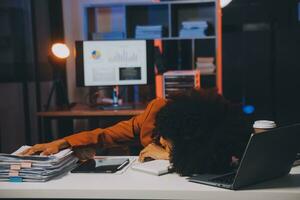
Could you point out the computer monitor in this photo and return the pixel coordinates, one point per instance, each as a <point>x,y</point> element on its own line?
<point>114,62</point>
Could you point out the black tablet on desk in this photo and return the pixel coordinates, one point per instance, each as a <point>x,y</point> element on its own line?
<point>101,165</point>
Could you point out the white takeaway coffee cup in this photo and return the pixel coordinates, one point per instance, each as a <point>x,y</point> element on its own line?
<point>263,125</point>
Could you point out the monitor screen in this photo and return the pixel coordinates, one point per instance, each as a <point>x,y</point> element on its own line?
<point>114,62</point>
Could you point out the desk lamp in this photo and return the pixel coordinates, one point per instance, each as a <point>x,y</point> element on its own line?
<point>58,55</point>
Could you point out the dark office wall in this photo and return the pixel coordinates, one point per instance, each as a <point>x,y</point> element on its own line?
<point>260,50</point>
<point>248,78</point>
<point>287,73</point>
<point>27,29</point>
<point>12,44</point>
<point>15,70</point>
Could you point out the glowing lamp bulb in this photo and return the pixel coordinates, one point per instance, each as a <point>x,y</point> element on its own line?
<point>60,50</point>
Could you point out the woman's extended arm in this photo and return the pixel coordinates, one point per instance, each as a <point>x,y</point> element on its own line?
<point>122,132</point>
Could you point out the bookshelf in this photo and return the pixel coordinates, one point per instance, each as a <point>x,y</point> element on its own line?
<point>180,49</point>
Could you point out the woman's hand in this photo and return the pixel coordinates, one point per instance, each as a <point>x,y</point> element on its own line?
<point>154,151</point>
<point>85,152</point>
<point>46,148</point>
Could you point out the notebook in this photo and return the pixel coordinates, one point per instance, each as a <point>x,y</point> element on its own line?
<point>268,155</point>
<point>154,167</point>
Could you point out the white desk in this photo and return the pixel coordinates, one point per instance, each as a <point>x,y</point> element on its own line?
<point>137,185</point>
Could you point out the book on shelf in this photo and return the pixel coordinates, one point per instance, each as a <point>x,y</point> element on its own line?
<point>205,59</point>
<point>205,65</point>
<point>108,35</point>
<point>118,19</point>
<point>110,19</point>
<point>103,19</point>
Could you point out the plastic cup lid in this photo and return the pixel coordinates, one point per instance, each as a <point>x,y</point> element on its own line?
<point>264,124</point>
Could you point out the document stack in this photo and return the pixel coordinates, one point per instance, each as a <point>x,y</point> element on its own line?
<point>35,168</point>
<point>193,29</point>
<point>179,81</point>
<point>148,32</point>
<point>206,65</point>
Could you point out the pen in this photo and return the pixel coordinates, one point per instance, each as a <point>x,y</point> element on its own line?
<point>123,164</point>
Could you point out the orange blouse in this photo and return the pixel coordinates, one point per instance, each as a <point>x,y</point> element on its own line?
<point>138,127</point>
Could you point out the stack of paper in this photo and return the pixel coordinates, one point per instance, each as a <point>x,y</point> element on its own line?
<point>35,168</point>
<point>148,32</point>
<point>193,29</point>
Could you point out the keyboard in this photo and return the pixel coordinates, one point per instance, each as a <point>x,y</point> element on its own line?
<point>297,160</point>
<point>226,179</point>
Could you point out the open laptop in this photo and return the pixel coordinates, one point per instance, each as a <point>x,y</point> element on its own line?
<point>268,155</point>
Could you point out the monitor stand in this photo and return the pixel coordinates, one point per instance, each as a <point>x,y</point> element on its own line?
<point>115,105</point>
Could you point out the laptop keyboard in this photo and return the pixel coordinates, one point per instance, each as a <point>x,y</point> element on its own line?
<point>227,179</point>
<point>297,160</point>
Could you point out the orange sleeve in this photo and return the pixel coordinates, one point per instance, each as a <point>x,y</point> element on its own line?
<point>122,132</point>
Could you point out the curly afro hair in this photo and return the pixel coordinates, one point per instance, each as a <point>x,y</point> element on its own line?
<point>205,131</point>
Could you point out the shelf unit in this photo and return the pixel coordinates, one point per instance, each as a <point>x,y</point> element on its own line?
<point>121,19</point>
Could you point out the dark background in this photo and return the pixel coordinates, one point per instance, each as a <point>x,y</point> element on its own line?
<point>261,67</point>
<point>261,45</point>
<point>28,28</point>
